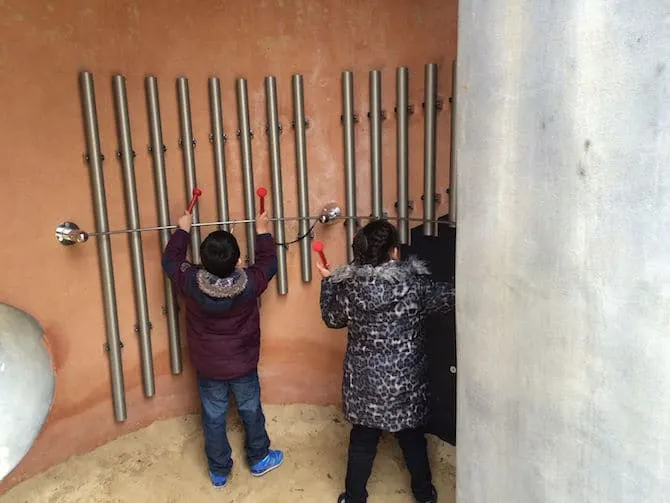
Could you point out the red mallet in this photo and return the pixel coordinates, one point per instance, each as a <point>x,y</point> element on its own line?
<point>262,192</point>
<point>318,247</point>
<point>196,194</point>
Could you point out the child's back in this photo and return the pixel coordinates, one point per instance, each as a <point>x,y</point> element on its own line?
<point>223,331</point>
<point>386,367</point>
<point>383,302</point>
<point>222,317</point>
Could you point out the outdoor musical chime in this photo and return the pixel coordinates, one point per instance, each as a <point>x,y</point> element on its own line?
<point>69,233</point>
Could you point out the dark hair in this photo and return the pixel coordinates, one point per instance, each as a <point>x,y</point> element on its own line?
<point>373,243</point>
<point>219,253</point>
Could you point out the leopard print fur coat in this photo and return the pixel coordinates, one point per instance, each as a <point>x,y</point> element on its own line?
<point>385,382</point>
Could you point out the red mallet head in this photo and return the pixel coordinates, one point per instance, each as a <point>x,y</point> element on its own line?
<point>318,247</point>
<point>196,194</point>
<point>262,192</point>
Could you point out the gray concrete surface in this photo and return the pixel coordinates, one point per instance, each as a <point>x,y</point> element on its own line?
<point>563,268</point>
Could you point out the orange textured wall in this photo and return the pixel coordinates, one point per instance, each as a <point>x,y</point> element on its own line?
<point>43,46</point>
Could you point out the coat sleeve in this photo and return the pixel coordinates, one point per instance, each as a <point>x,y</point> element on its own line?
<point>333,311</point>
<point>175,264</point>
<point>265,265</point>
<point>438,296</point>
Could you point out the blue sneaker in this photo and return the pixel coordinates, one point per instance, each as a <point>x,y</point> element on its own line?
<point>218,480</point>
<point>273,460</point>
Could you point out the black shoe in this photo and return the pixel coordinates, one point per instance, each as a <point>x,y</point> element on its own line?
<point>342,498</point>
<point>433,498</point>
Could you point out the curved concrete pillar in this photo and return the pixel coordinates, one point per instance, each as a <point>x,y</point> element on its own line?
<point>26,385</point>
<point>563,269</point>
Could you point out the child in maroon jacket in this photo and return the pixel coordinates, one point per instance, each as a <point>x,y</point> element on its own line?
<point>223,331</point>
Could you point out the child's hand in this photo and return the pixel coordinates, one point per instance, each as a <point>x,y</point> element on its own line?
<point>263,223</point>
<point>325,273</point>
<point>185,221</point>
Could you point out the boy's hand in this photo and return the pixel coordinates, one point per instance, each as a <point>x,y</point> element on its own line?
<point>263,223</point>
<point>185,221</point>
<point>325,273</point>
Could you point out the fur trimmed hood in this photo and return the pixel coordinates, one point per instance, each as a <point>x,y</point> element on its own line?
<point>391,271</point>
<point>222,288</point>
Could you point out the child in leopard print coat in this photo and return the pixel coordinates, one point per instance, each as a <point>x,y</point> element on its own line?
<point>383,303</point>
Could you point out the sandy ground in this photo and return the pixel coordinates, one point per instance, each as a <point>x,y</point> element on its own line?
<point>165,463</point>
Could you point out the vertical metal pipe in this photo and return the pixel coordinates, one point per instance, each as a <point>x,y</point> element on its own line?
<point>402,152</point>
<point>452,155</point>
<point>430,110</point>
<point>95,159</point>
<point>348,122</point>
<point>157,149</point>
<point>218,142</point>
<point>247,166</point>
<point>126,156</point>
<point>301,166</point>
<point>376,143</point>
<point>187,143</point>
<point>277,190</point>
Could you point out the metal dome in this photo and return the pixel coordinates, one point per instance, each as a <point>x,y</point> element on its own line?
<point>26,385</point>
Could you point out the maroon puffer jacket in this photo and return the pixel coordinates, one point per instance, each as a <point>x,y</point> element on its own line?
<point>222,317</point>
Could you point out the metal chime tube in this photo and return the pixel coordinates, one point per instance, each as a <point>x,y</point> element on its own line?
<point>301,166</point>
<point>429,146</point>
<point>188,153</point>
<point>277,190</point>
<point>95,159</point>
<point>402,152</point>
<point>218,142</point>
<point>126,155</point>
<point>452,157</point>
<point>157,149</point>
<point>247,166</point>
<point>376,143</point>
<point>348,123</point>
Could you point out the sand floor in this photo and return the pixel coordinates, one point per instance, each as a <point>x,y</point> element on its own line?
<point>165,463</point>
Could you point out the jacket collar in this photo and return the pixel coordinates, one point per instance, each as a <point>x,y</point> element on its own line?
<point>392,270</point>
<point>222,288</point>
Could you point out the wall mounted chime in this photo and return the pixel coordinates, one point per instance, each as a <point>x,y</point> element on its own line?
<point>70,234</point>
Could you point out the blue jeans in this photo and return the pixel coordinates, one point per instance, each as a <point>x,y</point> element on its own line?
<point>214,400</point>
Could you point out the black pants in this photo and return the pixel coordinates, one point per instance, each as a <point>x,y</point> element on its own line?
<point>362,451</point>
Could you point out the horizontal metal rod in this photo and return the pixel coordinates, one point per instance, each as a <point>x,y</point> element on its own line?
<point>245,221</point>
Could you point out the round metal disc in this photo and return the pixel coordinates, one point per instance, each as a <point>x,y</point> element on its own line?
<point>69,233</point>
<point>330,213</point>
